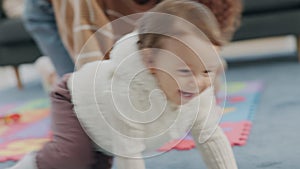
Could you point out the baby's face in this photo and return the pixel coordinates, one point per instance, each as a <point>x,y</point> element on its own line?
<point>184,71</point>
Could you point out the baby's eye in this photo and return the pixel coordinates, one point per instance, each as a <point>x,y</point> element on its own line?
<point>207,71</point>
<point>184,70</point>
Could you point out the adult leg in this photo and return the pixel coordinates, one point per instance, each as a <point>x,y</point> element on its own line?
<point>40,22</point>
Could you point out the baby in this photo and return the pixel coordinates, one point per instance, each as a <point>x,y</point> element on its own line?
<point>156,87</point>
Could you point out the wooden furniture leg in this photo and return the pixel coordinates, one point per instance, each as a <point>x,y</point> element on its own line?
<point>17,73</point>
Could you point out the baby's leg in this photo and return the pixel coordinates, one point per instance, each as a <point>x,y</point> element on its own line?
<point>70,148</point>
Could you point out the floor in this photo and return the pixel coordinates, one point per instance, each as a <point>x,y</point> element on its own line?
<point>273,142</point>
<point>274,139</point>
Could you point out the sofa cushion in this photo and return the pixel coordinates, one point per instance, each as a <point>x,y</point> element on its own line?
<point>269,24</point>
<point>19,53</point>
<point>12,30</point>
<point>254,6</point>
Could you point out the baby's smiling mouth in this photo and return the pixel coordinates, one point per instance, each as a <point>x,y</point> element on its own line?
<point>187,95</point>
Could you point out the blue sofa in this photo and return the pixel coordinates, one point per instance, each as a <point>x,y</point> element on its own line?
<point>265,18</point>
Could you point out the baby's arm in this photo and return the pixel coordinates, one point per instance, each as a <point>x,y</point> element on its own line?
<point>125,163</point>
<point>216,151</point>
<point>209,137</point>
<point>129,147</point>
<point>129,151</point>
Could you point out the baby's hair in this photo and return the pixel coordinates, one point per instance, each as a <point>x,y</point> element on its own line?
<point>143,2</point>
<point>153,27</point>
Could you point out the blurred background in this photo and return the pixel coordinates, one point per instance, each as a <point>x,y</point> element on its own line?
<point>265,48</point>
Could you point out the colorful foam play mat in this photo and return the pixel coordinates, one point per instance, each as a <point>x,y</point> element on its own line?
<point>240,103</point>
<point>24,128</point>
<point>25,123</point>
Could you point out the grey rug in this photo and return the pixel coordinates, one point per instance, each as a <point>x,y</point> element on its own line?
<point>274,139</point>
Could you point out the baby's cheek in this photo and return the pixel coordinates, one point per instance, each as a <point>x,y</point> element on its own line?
<point>212,78</point>
<point>183,82</point>
<point>209,81</point>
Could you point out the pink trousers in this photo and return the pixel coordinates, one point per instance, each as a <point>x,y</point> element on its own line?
<point>70,148</point>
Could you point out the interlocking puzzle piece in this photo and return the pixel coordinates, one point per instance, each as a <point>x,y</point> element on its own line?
<point>237,132</point>
<point>231,99</point>
<point>229,110</point>
<point>6,109</point>
<point>236,99</point>
<point>16,149</point>
<point>185,144</point>
<point>9,119</point>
